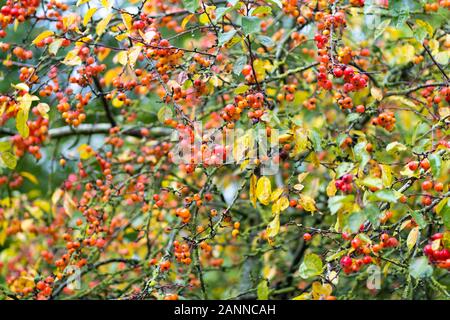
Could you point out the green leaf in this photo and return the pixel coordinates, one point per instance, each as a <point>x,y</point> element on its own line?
<point>251,25</point>
<point>419,219</point>
<point>372,182</point>
<point>276,2</point>
<point>441,205</point>
<point>191,5</point>
<point>54,46</point>
<point>311,266</point>
<point>262,290</point>
<point>420,129</point>
<point>395,146</point>
<point>222,11</point>
<point>337,202</point>
<point>442,57</point>
<point>436,163</point>
<point>336,255</point>
<point>373,214</point>
<point>361,154</point>
<point>239,64</point>
<point>8,159</point>
<point>381,28</point>
<point>420,33</point>
<point>445,213</point>
<point>164,114</point>
<point>419,268</point>
<point>316,140</point>
<point>226,36</point>
<point>265,41</point>
<point>386,195</point>
<point>261,10</point>
<point>343,168</point>
<point>355,219</point>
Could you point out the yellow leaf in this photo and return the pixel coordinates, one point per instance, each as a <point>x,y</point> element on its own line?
<point>405,224</point>
<point>302,176</point>
<point>3,233</point>
<point>68,204</point>
<point>29,176</point>
<point>286,137</point>
<point>320,291</point>
<point>105,3</point>
<point>386,175</point>
<point>42,36</point>
<point>111,74</point>
<point>57,196</point>
<point>72,58</point>
<point>263,190</point>
<point>376,93</point>
<point>133,55</point>
<point>253,181</point>
<point>22,114</point>
<point>303,296</point>
<point>26,225</point>
<point>434,46</point>
<point>307,203</point>
<point>186,20</point>
<point>42,204</point>
<point>203,18</point>
<point>401,100</point>
<point>274,227</point>
<point>85,151</point>
<point>122,36</point>
<point>89,15</point>
<point>69,20</point>
<point>280,205</point>
<point>81,42</point>
<point>300,140</point>
<point>103,54</point>
<point>331,188</point>
<point>436,244</point>
<point>43,109</point>
<point>284,203</point>
<point>276,208</point>
<point>276,194</point>
<point>117,103</point>
<point>101,26</point>
<point>8,159</point>
<point>121,57</point>
<point>404,54</point>
<point>21,86</point>
<point>425,25</point>
<point>127,20</point>
<point>80,2</point>
<point>412,238</point>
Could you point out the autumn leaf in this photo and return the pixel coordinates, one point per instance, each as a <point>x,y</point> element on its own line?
<point>42,36</point>
<point>89,14</point>
<point>253,182</point>
<point>412,238</point>
<point>274,227</point>
<point>307,203</point>
<point>263,190</point>
<point>101,26</point>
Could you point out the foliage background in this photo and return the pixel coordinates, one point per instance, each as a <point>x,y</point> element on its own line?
<point>62,210</point>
